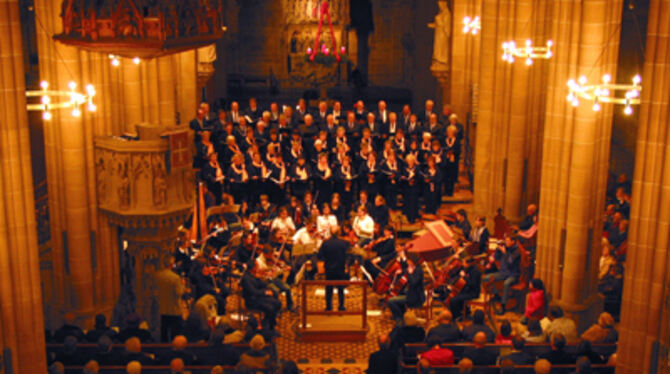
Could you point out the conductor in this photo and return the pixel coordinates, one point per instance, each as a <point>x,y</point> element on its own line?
<point>334,252</point>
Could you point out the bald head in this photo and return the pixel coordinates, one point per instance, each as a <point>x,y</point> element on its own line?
<point>384,341</point>
<point>134,367</point>
<point>177,365</point>
<point>542,366</point>
<point>465,366</point>
<point>179,342</point>
<point>479,339</point>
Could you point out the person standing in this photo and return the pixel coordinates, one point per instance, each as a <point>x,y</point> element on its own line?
<point>334,252</point>
<point>170,289</point>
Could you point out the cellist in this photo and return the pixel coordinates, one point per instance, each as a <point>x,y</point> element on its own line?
<point>384,250</point>
<point>414,293</point>
<point>471,290</point>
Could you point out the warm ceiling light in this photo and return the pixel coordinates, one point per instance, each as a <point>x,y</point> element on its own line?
<point>601,93</point>
<point>527,52</point>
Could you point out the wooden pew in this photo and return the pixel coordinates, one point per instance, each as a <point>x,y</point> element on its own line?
<point>521,369</point>
<point>155,369</point>
<point>412,350</point>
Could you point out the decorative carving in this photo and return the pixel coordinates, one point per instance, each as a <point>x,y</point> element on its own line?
<point>302,11</point>
<point>442,26</point>
<point>101,177</point>
<point>160,182</point>
<point>141,165</point>
<point>144,29</point>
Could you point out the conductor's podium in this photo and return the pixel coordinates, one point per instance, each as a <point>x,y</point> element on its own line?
<point>318,325</point>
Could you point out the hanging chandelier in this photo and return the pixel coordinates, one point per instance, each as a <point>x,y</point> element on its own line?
<point>528,52</point>
<point>56,99</point>
<point>471,25</point>
<point>605,92</point>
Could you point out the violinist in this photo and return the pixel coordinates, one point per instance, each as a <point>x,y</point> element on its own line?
<point>472,287</point>
<point>297,211</point>
<point>219,234</point>
<point>413,295</point>
<point>305,243</point>
<point>363,226</point>
<point>283,222</point>
<point>246,249</point>
<point>205,277</point>
<point>272,269</point>
<point>325,221</point>
<point>266,211</point>
<point>257,295</point>
<point>384,251</point>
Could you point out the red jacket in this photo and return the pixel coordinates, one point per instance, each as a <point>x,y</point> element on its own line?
<point>439,356</point>
<point>535,305</point>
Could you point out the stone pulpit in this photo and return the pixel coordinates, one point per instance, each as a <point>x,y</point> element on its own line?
<point>145,185</point>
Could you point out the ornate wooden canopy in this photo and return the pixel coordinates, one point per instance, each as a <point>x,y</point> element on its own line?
<point>141,28</point>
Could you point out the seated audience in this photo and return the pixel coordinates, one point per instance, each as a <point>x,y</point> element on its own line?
<point>133,330</point>
<point>437,355</point>
<point>518,356</point>
<point>557,323</point>
<point>56,368</point>
<point>70,356</point>
<point>104,355</point>
<point>603,331</point>
<point>505,335</point>
<point>446,331</point>
<point>91,367</point>
<point>179,344</point>
<point>542,366</point>
<point>585,349</point>
<point>558,355</point>
<point>133,352</point>
<point>409,331</point>
<point>177,366</point>
<point>507,367</point>
<point>465,366</point>
<point>134,367</point>
<point>385,360</point>
<point>255,358</point>
<point>478,353</point>
<point>583,366</point>
<point>219,352</point>
<point>478,325</point>
<point>68,329</point>
<point>100,329</point>
<point>534,334</point>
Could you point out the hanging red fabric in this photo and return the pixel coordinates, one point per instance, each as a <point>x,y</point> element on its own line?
<point>325,11</point>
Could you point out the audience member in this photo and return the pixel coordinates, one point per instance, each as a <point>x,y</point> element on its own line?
<point>100,329</point>
<point>505,335</point>
<point>169,288</point>
<point>437,355</point>
<point>385,360</point>
<point>133,352</point>
<point>535,302</point>
<point>557,323</point>
<point>410,331</point>
<point>465,366</point>
<point>583,365</point>
<point>134,367</point>
<point>57,368</point>
<point>558,355</point>
<point>177,366</point>
<point>255,357</point>
<point>218,369</point>
<point>104,355</point>
<point>446,331</point>
<point>584,348</point>
<point>534,334</point>
<point>220,353</point>
<point>603,331</point>
<point>507,367</point>
<point>179,344</point>
<point>133,329</point>
<point>542,366</point>
<point>478,325</point>
<point>69,356</point>
<point>479,354</point>
<point>91,367</point>
<point>518,356</point>
<point>68,329</point>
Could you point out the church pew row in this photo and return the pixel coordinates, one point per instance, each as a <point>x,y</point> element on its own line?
<point>412,350</point>
<point>156,369</point>
<point>520,369</point>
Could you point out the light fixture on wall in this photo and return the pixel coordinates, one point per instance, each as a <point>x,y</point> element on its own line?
<point>605,92</point>
<point>527,52</point>
<point>115,60</point>
<point>56,99</point>
<point>471,25</point>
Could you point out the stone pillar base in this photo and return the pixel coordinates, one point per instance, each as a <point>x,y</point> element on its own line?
<point>584,314</point>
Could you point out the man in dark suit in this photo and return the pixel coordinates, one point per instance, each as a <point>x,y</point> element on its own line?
<point>322,114</point>
<point>434,127</point>
<point>360,112</point>
<point>253,112</point>
<point>477,326</point>
<point>234,115</point>
<point>446,331</point>
<point>479,354</point>
<point>405,115</point>
<point>334,252</point>
<point>198,123</point>
<point>300,112</point>
<point>392,126</point>
<point>382,114</point>
<point>385,360</point>
<point>353,130</point>
<point>414,130</point>
<point>558,355</point>
<point>424,115</point>
<point>258,296</point>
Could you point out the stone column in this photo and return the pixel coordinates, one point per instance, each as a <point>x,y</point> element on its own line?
<point>508,95</point>
<point>84,244</point>
<point>576,157</point>
<point>464,59</point>
<point>644,326</point>
<point>21,315</point>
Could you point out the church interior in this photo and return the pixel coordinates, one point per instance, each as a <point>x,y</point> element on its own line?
<point>482,186</point>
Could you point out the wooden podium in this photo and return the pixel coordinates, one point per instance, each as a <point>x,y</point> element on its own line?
<point>333,326</point>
